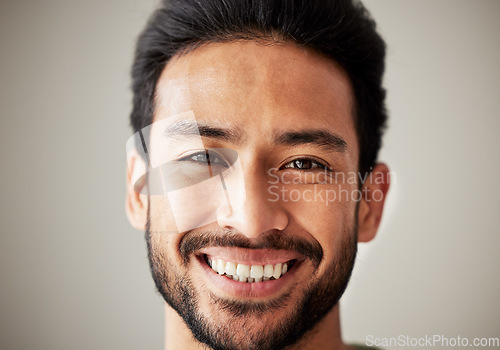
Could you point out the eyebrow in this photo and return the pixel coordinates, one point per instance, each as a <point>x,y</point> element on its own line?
<point>190,128</point>
<point>316,137</point>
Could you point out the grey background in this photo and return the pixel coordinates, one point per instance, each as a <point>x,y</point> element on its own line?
<point>74,274</point>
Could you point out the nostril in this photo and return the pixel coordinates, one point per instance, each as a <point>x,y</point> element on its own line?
<point>253,219</point>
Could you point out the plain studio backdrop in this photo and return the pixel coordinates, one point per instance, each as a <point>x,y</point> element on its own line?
<point>74,274</point>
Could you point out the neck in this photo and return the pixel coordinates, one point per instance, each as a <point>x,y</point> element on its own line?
<point>325,335</point>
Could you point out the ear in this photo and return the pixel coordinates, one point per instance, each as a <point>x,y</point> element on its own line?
<point>136,204</point>
<point>373,194</point>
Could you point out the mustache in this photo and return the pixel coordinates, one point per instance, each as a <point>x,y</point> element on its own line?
<point>277,240</point>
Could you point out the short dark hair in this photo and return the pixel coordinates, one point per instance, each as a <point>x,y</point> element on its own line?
<point>340,29</point>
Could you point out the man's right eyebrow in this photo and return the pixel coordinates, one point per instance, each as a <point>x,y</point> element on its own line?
<point>191,128</point>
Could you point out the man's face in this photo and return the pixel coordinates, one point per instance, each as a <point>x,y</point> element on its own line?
<point>288,115</point>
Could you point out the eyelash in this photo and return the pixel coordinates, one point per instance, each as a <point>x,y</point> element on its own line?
<point>315,164</point>
<point>213,158</point>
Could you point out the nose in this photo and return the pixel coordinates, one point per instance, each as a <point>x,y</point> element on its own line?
<point>255,213</point>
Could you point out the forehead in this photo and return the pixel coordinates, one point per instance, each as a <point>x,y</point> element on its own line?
<point>258,87</point>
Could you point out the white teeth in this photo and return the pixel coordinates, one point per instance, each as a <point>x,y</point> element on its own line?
<point>277,271</point>
<point>248,273</point>
<point>256,271</point>
<point>268,270</point>
<point>221,266</point>
<point>243,270</point>
<point>213,265</point>
<point>230,268</point>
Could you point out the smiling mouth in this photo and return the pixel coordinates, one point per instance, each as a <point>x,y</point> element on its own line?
<point>249,273</point>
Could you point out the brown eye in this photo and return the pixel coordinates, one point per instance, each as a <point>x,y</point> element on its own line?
<point>304,164</point>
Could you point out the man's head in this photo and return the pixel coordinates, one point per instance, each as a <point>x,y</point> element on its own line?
<point>294,89</point>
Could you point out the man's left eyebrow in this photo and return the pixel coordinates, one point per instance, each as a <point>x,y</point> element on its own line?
<point>320,138</point>
<point>191,128</point>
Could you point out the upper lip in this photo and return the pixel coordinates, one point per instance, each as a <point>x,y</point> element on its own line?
<point>250,256</point>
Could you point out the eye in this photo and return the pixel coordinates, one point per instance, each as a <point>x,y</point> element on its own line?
<point>305,164</point>
<point>205,157</point>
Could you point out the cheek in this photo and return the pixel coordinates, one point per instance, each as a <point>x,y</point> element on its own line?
<point>326,214</point>
<point>161,217</point>
<point>164,236</point>
<point>192,205</point>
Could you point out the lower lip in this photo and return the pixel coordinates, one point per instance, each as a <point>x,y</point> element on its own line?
<point>245,289</point>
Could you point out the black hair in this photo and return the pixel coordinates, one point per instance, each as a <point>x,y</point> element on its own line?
<point>339,29</point>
